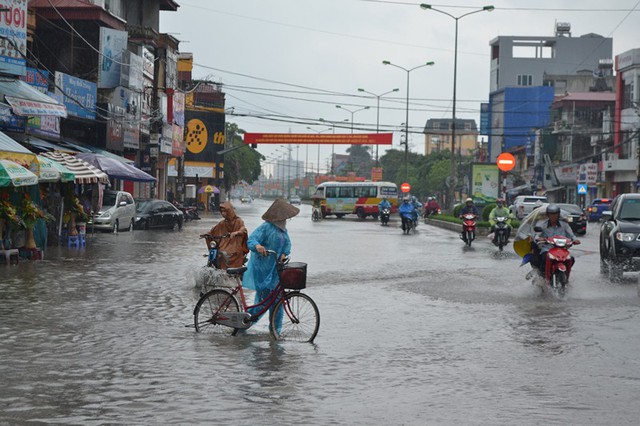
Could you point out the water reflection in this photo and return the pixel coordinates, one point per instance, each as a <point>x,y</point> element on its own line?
<point>547,328</point>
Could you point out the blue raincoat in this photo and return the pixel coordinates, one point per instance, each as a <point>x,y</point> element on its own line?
<point>262,271</point>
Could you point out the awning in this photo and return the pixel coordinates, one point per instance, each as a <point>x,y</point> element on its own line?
<point>13,174</point>
<point>26,101</point>
<point>46,145</point>
<point>52,171</point>
<point>85,172</point>
<point>88,148</point>
<point>114,168</point>
<point>13,151</point>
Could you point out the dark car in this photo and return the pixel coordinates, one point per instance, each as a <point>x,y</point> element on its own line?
<point>620,237</point>
<point>157,214</point>
<point>575,217</point>
<point>597,207</point>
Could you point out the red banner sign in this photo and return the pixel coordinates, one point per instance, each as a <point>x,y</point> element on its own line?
<point>331,139</point>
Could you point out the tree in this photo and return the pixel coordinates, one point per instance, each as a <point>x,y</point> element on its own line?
<point>359,160</point>
<point>242,163</point>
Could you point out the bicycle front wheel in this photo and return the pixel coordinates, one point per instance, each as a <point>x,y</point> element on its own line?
<point>299,316</point>
<point>209,307</point>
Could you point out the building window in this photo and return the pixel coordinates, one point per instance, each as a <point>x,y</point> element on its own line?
<point>435,125</point>
<point>627,96</point>
<point>467,126</point>
<point>435,140</point>
<point>525,80</point>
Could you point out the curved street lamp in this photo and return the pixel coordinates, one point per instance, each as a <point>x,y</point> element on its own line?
<point>378,111</point>
<point>406,124</point>
<point>452,177</point>
<point>318,132</point>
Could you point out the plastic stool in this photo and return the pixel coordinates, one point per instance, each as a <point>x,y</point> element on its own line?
<point>10,254</point>
<point>77,241</point>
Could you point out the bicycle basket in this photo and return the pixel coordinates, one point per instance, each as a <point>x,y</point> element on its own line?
<point>293,275</point>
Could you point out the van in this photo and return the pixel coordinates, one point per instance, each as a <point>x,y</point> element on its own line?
<point>118,212</point>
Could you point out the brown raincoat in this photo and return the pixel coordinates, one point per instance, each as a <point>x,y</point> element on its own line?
<point>235,247</point>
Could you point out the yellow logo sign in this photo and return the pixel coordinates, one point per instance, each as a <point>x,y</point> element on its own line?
<point>196,136</point>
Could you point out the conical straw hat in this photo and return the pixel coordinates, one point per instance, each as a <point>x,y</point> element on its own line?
<point>280,210</point>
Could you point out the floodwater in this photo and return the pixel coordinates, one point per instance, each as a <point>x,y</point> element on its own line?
<point>414,330</point>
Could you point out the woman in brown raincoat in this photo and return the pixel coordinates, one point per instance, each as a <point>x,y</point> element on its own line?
<point>236,245</point>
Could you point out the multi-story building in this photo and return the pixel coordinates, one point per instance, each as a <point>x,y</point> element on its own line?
<point>437,136</point>
<point>526,73</point>
<point>104,64</point>
<point>621,162</point>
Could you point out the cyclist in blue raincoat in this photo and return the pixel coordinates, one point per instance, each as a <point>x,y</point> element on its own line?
<point>262,271</point>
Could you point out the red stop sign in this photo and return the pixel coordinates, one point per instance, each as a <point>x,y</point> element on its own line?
<point>405,187</point>
<point>506,161</point>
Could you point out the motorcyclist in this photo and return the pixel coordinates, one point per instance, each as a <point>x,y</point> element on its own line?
<point>553,226</point>
<point>500,211</point>
<point>407,213</point>
<point>384,204</point>
<point>431,206</point>
<point>469,208</point>
<point>417,205</point>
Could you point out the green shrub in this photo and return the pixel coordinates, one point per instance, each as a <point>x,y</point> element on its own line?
<point>487,211</point>
<point>456,210</point>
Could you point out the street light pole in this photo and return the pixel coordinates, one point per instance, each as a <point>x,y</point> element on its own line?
<point>452,176</point>
<point>352,112</point>
<point>406,123</point>
<point>318,132</point>
<point>378,111</point>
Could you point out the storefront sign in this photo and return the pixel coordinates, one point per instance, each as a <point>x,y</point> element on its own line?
<point>147,63</point>
<point>44,125</point>
<point>131,75</point>
<point>37,78</point>
<point>112,44</point>
<point>178,108</point>
<point>10,122</point>
<point>177,141</point>
<point>79,96</point>
<point>166,140</point>
<point>588,173</point>
<point>114,136</point>
<point>13,37</point>
<point>567,175</point>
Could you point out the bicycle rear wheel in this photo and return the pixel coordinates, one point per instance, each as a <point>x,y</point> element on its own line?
<point>211,304</point>
<point>300,319</point>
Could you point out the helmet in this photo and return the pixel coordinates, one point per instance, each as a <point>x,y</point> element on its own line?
<point>468,200</point>
<point>553,208</point>
<point>406,199</point>
<point>429,198</point>
<point>500,202</point>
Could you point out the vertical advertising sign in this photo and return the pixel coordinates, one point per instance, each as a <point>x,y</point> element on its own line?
<point>132,71</point>
<point>13,37</point>
<point>112,44</point>
<point>204,135</point>
<point>78,96</point>
<point>485,182</point>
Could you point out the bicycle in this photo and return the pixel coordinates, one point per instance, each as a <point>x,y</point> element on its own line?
<point>218,310</point>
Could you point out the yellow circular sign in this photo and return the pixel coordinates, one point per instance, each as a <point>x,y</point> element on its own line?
<point>196,136</point>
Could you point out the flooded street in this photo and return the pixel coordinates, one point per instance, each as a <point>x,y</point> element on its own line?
<point>414,330</point>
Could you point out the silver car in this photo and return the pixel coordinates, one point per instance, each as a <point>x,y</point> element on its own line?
<point>118,212</point>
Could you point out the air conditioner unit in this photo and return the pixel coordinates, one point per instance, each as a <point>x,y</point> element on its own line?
<point>596,139</point>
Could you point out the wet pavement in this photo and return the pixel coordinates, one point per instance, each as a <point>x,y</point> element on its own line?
<point>414,330</point>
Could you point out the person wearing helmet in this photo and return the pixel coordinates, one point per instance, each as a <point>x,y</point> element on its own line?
<point>469,208</point>
<point>417,206</point>
<point>551,227</point>
<point>500,211</point>
<point>384,204</point>
<point>407,213</point>
<point>431,207</point>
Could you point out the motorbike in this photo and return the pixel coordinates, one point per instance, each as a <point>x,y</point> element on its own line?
<point>316,214</point>
<point>428,212</point>
<point>501,232</point>
<point>468,228</point>
<point>189,213</point>
<point>559,262</point>
<point>408,223</point>
<point>384,216</point>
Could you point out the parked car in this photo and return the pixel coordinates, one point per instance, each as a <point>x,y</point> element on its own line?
<point>575,217</point>
<point>294,199</point>
<point>597,207</point>
<point>118,212</point>
<point>524,204</point>
<point>158,214</point>
<point>620,237</point>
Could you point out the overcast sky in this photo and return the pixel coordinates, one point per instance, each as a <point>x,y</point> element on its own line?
<point>292,61</point>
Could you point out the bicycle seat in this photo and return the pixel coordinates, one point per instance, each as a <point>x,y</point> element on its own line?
<point>236,271</point>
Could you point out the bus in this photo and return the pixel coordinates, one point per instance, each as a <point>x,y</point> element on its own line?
<point>361,198</point>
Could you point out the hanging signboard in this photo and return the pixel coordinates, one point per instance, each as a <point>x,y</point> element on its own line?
<point>13,37</point>
<point>78,95</point>
<point>112,44</point>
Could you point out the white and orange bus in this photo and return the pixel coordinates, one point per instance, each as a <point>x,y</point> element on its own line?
<point>361,198</point>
